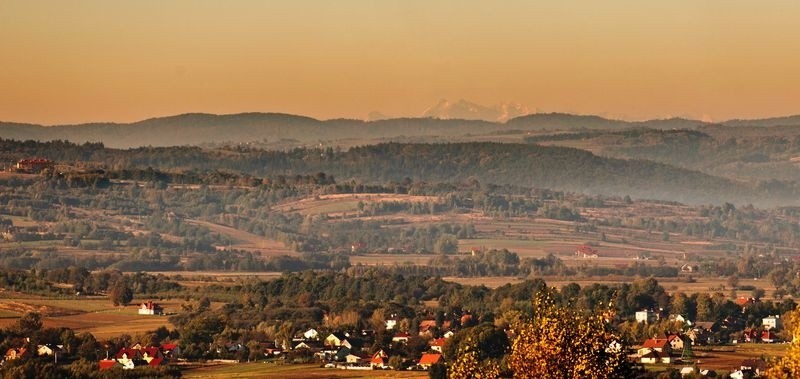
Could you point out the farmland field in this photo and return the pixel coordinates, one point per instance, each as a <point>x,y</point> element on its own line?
<point>96,316</point>
<point>270,370</point>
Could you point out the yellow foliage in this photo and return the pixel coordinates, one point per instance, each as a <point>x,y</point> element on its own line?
<point>559,342</point>
<point>467,365</point>
<point>789,366</point>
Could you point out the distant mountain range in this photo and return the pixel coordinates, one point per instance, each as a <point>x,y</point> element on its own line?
<point>446,120</point>
<point>465,110</point>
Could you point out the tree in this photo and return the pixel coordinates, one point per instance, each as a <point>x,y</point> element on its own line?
<point>789,366</point>
<point>564,342</point>
<point>446,244</point>
<point>467,365</point>
<point>120,293</point>
<point>29,323</point>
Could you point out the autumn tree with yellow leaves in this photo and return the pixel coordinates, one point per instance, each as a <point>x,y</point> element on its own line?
<point>788,367</point>
<point>565,343</point>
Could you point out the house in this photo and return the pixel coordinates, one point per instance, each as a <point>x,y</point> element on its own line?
<point>660,345</point>
<point>151,353</point>
<point>745,302</point>
<point>675,342</point>
<point>126,356</point>
<point>356,359</point>
<point>651,357</point>
<point>425,327</point>
<point>51,350</point>
<point>309,345</point>
<point>170,350</point>
<point>584,251</point>
<point>750,335</point>
<point>380,360</point>
<point>679,318</point>
<point>270,349</point>
<point>391,324</point>
<point>646,316</point>
<point>429,359</point>
<point>699,335</point>
<point>688,268</point>
<point>311,334</point>
<point>335,339</point>
<point>772,322</point>
<point>340,355</point>
<point>16,353</point>
<point>753,366</point>
<point>449,334</point>
<point>150,308</point>
<point>438,344</point>
<point>400,337</point>
<point>688,370</point>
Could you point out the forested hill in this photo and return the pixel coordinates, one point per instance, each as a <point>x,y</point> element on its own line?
<point>490,163</point>
<point>201,128</point>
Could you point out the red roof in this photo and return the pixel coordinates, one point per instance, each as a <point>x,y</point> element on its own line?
<point>107,364</point>
<point>438,342</point>
<point>744,301</point>
<point>583,249</point>
<point>401,335</point>
<point>378,360</point>
<point>656,343</point>
<point>168,346</point>
<point>155,362</point>
<point>429,358</point>
<point>151,351</point>
<point>130,352</point>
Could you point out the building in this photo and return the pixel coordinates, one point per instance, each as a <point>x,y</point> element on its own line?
<point>16,353</point>
<point>150,308</point>
<point>646,316</point>
<point>584,251</point>
<point>429,359</point>
<point>438,344</point>
<point>772,322</point>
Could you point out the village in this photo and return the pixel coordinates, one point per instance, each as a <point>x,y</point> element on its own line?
<point>694,348</point>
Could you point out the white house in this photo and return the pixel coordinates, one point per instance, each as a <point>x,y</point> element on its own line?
<point>772,322</point>
<point>646,316</point>
<point>311,334</point>
<point>150,308</point>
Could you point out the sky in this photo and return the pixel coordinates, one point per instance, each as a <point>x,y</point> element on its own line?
<point>85,60</point>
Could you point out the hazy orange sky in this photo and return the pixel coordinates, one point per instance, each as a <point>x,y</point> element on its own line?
<point>78,61</point>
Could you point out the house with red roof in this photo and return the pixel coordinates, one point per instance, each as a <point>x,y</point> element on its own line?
<point>170,350</point>
<point>429,359</point>
<point>438,344</point>
<point>425,327</point>
<point>150,308</point>
<point>380,360</point>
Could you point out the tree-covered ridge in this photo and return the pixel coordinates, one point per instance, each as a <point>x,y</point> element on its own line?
<point>515,164</point>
